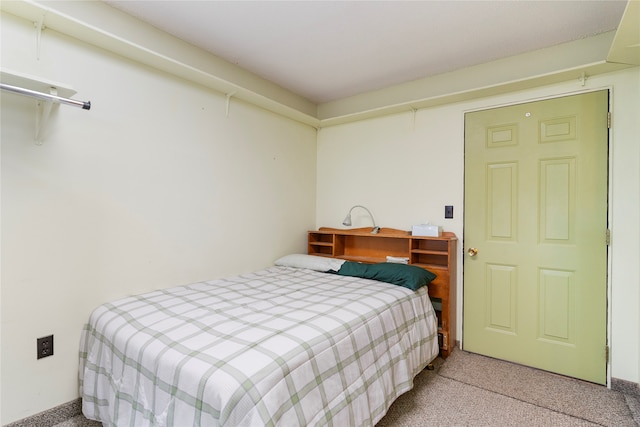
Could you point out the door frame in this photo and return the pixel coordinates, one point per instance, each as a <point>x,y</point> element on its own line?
<point>462,258</point>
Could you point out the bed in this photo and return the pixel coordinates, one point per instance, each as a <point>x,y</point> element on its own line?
<point>294,344</point>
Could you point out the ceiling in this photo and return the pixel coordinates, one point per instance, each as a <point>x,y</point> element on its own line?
<point>330,50</point>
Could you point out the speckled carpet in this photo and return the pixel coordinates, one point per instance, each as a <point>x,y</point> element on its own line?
<point>471,390</point>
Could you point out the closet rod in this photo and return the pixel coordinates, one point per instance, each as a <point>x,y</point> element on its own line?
<point>46,96</point>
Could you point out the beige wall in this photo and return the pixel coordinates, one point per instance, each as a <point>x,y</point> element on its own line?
<point>406,167</point>
<point>156,186</point>
<point>153,187</point>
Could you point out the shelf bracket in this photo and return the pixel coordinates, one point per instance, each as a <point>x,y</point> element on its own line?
<point>39,27</point>
<point>583,79</point>
<point>414,110</point>
<point>229,95</point>
<point>43,112</point>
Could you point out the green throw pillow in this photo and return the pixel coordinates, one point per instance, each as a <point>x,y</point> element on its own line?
<point>408,276</point>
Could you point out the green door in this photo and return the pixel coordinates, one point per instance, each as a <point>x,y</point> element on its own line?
<point>535,228</point>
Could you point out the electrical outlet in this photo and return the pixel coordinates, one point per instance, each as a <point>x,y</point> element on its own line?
<point>448,211</point>
<point>45,346</point>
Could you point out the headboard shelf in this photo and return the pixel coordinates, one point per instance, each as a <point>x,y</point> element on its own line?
<point>435,268</point>
<point>365,259</point>
<point>436,254</point>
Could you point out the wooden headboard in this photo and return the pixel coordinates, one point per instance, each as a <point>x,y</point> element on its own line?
<point>436,254</point>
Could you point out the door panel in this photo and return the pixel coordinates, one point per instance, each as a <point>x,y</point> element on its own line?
<point>501,302</point>
<point>501,201</point>
<point>536,211</point>
<point>557,201</point>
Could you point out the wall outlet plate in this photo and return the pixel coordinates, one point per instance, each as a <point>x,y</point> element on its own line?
<point>45,346</point>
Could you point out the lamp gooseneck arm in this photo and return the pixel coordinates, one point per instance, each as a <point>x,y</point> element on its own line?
<point>347,220</point>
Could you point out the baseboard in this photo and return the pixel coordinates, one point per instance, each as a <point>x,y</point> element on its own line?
<point>52,416</point>
<point>626,387</point>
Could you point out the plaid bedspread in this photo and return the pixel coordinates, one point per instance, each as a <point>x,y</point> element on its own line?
<point>280,346</point>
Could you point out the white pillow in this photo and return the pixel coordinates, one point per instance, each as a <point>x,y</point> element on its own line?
<point>311,262</point>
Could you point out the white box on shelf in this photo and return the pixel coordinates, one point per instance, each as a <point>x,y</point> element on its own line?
<point>426,230</point>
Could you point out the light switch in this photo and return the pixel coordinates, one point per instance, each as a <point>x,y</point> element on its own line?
<point>448,211</point>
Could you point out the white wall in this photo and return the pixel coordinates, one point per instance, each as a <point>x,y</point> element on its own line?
<point>153,187</point>
<point>405,169</point>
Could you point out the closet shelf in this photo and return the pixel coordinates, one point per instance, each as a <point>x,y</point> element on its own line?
<point>49,95</point>
<point>27,81</point>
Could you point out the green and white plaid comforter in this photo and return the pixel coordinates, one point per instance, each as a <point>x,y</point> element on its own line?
<point>281,346</point>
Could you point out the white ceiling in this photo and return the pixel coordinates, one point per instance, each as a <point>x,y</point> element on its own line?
<point>329,50</point>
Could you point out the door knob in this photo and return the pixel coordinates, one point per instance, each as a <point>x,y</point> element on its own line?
<point>472,252</point>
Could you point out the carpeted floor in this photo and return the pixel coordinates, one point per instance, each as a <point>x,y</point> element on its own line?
<point>471,390</point>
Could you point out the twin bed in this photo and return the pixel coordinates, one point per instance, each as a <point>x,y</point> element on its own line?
<point>309,341</point>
